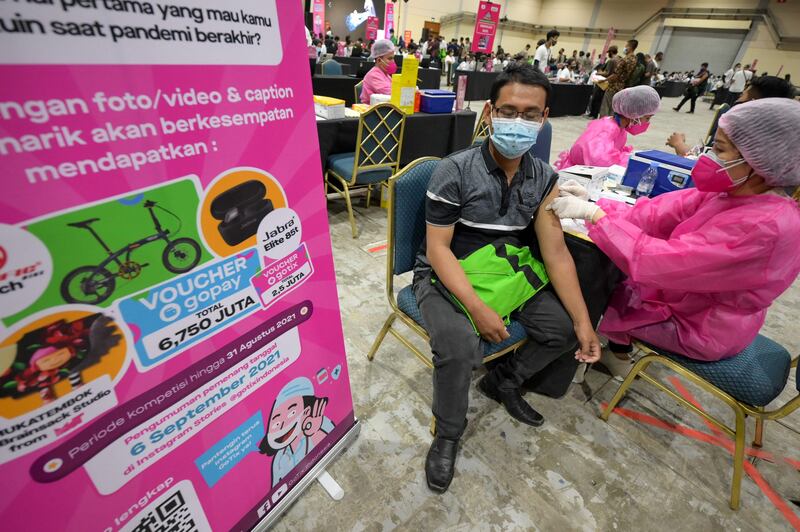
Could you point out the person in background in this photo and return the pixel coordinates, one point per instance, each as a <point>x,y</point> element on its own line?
<point>468,63</point>
<point>603,141</point>
<point>637,76</point>
<point>505,61</point>
<point>358,48</point>
<point>561,57</point>
<point>650,69</point>
<point>542,56</point>
<point>492,195</point>
<point>738,81</point>
<point>704,264</point>
<point>392,37</point>
<point>330,44</point>
<point>618,78</point>
<point>449,65</point>
<point>525,51</point>
<point>763,87</point>
<point>722,94</point>
<point>697,87</point>
<point>788,78</point>
<point>574,57</point>
<point>657,75</point>
<point>379,78</point>
<point>586,63</point>
<point>563,75</point>
<point>320,50</point>
<point>605,70</point>
<point>348,46</point>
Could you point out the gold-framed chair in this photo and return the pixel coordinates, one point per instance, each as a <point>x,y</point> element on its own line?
<point>712,129</point>
<point>746,382</point>
<point>406,230</point>
<point>482,129</point>
<point>357,90</point>
<point>379,143</point>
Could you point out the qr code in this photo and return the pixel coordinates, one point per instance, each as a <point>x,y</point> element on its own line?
<point>178,510</point>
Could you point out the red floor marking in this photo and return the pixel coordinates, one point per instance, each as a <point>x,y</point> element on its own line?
<point>378,248</point>
<point>719,440</point>
<point>676,382</point>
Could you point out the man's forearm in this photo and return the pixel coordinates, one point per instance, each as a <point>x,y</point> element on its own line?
<point>452,275</point>
<point>564,276</point>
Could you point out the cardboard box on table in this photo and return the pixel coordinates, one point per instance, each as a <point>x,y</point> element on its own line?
<point>404,85</point>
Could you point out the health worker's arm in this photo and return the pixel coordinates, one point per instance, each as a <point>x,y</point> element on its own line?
<point>722,255</point>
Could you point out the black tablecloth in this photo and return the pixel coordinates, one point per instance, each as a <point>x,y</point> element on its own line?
<point>597,275</point>
<point>565,98</point>
<point>569,99</point>
<point>671,89</point>
<point>435,135</point>
<point>429,78</point>
<point>335,86</point>
<point>479,84</point>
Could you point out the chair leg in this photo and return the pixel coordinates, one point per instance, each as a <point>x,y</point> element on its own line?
<point>738,459</point>
<point>346,194</point>
<point>381,335</point>
<point>637,368</point>
<point>369,195</point>
<point>758,439</point>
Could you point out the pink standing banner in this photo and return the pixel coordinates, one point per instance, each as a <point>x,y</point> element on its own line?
<point>171,348</point>
<point>486,23</point>
<point>318,8</point>
<point>388,20</point>
<point>610,37</point>
<point>371,32</point>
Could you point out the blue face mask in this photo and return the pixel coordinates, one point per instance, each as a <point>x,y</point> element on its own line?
<point>512,137</point>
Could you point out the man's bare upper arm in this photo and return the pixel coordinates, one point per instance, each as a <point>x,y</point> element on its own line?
<point>438,236</point>
<point>548,227</point>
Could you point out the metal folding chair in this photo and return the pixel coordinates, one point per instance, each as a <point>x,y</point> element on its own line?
<point>379,143</point>
<point>746,382</point>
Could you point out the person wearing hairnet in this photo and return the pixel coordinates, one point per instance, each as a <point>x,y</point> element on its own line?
<point>603,142</point>
<point>703,264</point>
<point>379,78</point>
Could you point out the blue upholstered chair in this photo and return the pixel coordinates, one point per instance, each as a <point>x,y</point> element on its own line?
<point>357,90</point>
<point>331,68</point>
<point>746,382</point>
<point>406,230</point>
<point>379,143</point>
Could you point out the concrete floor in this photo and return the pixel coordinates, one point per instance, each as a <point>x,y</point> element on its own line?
<point>575,472</point>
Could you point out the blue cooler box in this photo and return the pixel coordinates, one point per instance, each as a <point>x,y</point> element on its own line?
<point>437,101</point>
<point>673,171</point>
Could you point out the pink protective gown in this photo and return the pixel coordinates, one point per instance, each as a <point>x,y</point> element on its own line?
<point>702,268</point>
<point>375,82</point>
<point>602,144</point>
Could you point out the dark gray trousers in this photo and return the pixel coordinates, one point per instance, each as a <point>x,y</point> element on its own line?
<point>546,361</point>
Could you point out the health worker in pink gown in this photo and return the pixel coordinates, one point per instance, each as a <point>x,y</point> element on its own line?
<point>704,264</point>
<point>603,142</point>
<point>379,78</point>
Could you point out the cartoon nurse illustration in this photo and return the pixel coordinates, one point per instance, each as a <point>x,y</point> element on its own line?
<point>297,424</point>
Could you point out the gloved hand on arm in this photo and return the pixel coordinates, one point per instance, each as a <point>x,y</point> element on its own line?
<point>573,188</point>
<point>573,207</point>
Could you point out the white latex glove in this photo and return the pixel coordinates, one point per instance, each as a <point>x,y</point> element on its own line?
<point>573,188</point>
<point>572,207</point>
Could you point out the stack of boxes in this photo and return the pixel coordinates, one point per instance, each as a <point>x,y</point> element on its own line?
<point>404,85</point>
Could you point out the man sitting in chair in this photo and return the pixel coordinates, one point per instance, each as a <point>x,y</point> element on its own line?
<point>483,214</point>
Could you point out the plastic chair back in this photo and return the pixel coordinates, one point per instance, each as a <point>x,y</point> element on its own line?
<point>407,212</point>
<point>380,138</point>
<point>331,68</point>
<point>541,150</point>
